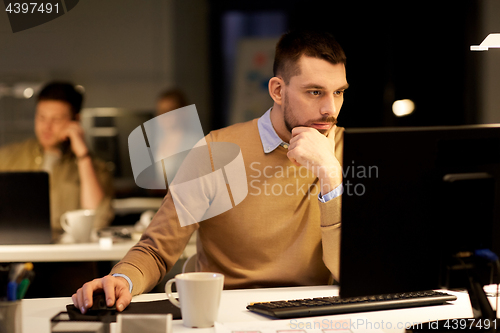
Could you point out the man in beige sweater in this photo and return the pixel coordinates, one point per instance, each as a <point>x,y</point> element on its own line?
<point>286,232</point>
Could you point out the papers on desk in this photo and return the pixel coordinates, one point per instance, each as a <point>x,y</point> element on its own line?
<point>491,290</point>
<point>303,325</point>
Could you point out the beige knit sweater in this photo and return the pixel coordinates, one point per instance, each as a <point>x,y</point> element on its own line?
<point>279,235</point>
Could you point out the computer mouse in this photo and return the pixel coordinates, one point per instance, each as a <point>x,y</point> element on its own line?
<point>99,304</point>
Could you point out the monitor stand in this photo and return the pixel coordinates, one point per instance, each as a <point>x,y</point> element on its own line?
<point>485,318</point>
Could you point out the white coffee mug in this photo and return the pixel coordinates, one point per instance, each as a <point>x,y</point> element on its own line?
<point>199,297</point>
<point>78,224</point>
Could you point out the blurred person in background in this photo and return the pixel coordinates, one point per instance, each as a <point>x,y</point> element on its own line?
<point>170,99</point>
<point>77,180</point>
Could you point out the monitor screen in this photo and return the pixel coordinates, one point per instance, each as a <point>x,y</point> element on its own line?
<point>24,208</point>
<point>414,197</point>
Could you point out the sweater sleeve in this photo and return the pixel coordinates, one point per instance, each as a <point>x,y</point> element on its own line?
<point>330,213</point>
<point>159,248</point>
<point>330,234</point>
<point>165,239</point>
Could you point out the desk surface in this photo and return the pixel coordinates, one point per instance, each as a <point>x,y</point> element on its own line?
<point>75,252</point>
<point>37,312</point>
<point>63,252</point>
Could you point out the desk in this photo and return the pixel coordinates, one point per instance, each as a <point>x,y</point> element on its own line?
<point>63,252</point>
<point>75,252</point>
<point>37,312</point>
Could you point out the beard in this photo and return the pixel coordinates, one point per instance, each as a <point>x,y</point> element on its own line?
<point>291,121</point>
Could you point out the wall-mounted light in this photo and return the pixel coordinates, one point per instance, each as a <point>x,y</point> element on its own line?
<point>491,41</point>
<point>403,107</point>
<point>28,92</point>
<point>21,90</point>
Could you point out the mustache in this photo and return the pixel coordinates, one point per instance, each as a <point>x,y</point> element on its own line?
<point>330,119</point>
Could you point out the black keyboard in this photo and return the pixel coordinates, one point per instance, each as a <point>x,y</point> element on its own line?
<point>333,305</point>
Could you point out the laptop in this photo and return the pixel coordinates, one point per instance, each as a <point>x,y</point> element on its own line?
<point>24,208</point>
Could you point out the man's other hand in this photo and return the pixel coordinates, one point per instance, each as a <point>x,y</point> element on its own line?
<point>74,132</point>
<point>115,289</point>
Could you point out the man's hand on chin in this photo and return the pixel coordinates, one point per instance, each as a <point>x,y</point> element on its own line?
<point>316,152</point>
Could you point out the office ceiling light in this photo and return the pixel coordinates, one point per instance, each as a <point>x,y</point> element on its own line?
<point>492,40</point>
<point>403,107</point>
<point>21,90</point>
<point>28,93</point>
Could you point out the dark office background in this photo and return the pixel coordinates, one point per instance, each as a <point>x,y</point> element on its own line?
<point>416,50</point>
<point>124,52</point>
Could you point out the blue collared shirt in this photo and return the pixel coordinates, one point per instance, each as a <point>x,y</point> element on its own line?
<point>270,141</point>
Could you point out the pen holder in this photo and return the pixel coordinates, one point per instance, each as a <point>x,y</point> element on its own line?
<point>11,320</point>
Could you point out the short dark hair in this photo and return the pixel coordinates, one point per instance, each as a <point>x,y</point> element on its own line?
<point>311,43</point>
<point>62,91</point>
<point>176,94</point>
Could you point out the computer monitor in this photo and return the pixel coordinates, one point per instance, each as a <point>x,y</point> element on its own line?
<point>24,208</point>
<point>413,198</point>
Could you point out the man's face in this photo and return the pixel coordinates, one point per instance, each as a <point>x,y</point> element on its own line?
<point>314,98</point>
<point>51,118</point>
